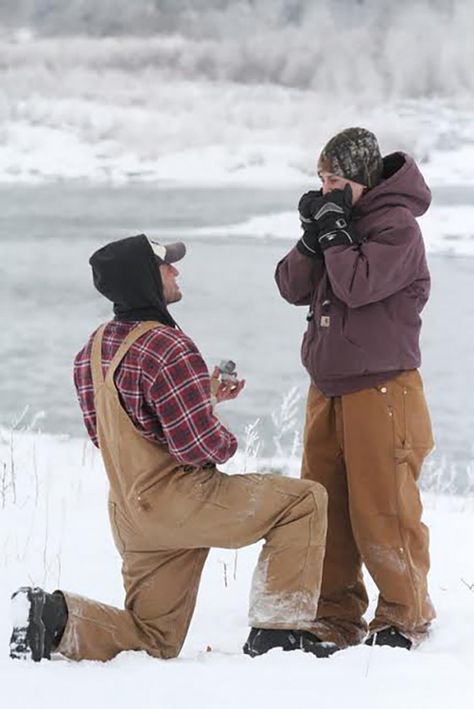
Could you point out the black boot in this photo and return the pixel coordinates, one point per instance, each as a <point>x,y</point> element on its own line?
<point>390,637</point>
<point>39,620</point>
<point>261,640</point>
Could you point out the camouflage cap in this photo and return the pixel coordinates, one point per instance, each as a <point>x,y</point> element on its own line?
<point>353,153</point>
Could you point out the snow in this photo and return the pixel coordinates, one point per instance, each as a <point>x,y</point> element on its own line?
<point>171,110</point>
<point>447,230</point>
<point>54,532</point>
<point>263,136</point>
<point>242,100</point>
<point>20,608</point>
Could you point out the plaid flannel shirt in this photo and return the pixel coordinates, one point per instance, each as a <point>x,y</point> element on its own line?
<point>164,386</point>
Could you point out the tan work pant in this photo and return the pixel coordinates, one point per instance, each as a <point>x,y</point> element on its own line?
<point>164,549</point>
<point>367,449</point>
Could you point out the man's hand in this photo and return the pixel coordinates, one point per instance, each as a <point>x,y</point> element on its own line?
<point>225,390</point>
<point>333,218</point>
<point>308,205</point>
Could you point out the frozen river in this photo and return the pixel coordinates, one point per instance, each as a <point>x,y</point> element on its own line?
<point>231,306</point>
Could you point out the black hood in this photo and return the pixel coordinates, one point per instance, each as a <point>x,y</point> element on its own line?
<point>127,273</point>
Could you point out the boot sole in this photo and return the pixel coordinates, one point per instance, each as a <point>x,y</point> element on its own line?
<point>28,636</point>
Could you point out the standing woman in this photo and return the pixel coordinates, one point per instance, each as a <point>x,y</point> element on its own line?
<point>360,266</point>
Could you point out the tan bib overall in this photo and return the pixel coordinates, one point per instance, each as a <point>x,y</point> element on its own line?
<point>164,519</point>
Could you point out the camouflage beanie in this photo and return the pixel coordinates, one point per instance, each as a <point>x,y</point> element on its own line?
<point>354,154</point>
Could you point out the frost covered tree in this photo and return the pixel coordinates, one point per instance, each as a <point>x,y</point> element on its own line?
<point>206,17</point>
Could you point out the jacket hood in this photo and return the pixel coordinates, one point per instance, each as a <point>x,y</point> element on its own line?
<point>402,185</point>
<point>127,273</point>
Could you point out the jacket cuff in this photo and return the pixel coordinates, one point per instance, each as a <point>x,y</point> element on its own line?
<point>338,237</point>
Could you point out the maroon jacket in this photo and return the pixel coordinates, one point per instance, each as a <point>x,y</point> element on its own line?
<point>365,301</point>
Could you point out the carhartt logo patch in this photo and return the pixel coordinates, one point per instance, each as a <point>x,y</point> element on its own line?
<point>325,321</point>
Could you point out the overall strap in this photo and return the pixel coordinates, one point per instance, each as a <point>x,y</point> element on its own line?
<point>96,358</point>
<point>131,338</point>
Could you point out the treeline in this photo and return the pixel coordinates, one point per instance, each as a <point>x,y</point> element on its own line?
<point>206,18</point>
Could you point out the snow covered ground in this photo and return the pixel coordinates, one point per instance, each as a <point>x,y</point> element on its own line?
<point>191,133</point>
<point>54,532</point>
<point>447,230</point>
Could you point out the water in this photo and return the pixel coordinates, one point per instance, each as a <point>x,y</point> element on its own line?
<point>231,306</point>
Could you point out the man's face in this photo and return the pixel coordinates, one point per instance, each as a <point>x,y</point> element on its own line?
<point>332,182</point>
<point>171,291</point>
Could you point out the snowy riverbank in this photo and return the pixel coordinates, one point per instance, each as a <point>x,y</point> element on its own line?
<point>54,531</point>
<point>249,100</point>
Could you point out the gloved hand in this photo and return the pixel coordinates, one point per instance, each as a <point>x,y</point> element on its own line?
<point>333,218</point>
<point>309,203</point>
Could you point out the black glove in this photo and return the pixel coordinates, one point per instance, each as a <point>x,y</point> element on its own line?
<point>333,219</point>
<point>308,245</point>
<point>309,204</point>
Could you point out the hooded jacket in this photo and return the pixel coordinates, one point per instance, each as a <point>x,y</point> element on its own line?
<point>365,301</point>
<point>163,382</point>
<point>127,273</point>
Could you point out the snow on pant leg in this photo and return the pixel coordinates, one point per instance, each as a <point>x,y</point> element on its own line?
<point>286,583</point>
<point>161,594</point>
<point>387,434</point>
<point>343,600</point>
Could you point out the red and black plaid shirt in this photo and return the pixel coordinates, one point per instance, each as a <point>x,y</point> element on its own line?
<point>164,386</point>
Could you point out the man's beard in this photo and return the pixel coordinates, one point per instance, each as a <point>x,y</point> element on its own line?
<point>173,297</point>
